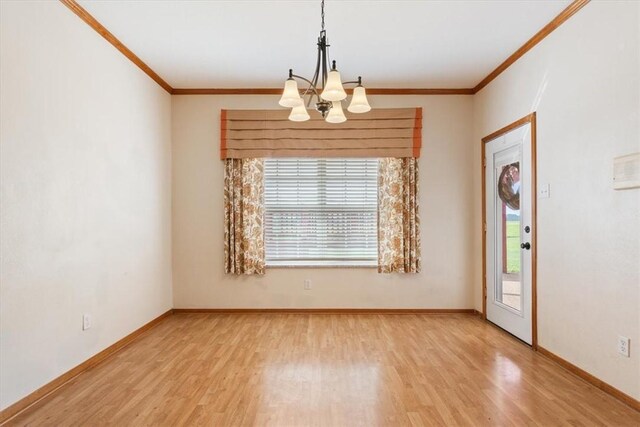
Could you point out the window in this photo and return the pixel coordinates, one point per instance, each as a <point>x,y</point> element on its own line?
<point>321,212</point>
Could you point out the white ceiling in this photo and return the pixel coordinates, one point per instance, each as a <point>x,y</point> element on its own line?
<point>435,44</point>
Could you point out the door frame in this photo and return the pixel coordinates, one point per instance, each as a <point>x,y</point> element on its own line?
<point>528,119</point>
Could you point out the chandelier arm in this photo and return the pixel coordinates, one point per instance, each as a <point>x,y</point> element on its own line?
<point>311,85</point>
<point>322,56</point>
<point>324,71</point>
<point>314,79</point>
<point>356,82</point>
<point>306,92</point>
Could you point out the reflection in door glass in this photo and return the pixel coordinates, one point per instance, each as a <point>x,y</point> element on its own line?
<point>509,283</point>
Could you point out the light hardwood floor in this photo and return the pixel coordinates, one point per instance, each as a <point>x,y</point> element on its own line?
<point>329,370</point>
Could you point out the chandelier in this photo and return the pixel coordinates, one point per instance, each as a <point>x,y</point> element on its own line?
<point>329,101</point>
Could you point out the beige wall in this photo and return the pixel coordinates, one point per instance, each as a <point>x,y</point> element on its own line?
<point>584,82</point>
<point>446,191</point>
<point>85,195</point>
<point>86,189</point>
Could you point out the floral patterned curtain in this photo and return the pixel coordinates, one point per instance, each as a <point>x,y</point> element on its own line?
<point>398,221</point>
<point>243,216</point>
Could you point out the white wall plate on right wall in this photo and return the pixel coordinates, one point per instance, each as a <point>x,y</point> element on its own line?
<point>626,172</point>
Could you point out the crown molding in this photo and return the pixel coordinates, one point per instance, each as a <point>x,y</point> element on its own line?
<point>567,13</point>
<point>100,29</point>
<point>562,17</point>
<point>278,91</point>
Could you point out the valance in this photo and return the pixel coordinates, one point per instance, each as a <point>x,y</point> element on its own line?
<point>395,132</point>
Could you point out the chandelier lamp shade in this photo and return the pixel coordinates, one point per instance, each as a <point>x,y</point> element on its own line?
<point>325,88</point>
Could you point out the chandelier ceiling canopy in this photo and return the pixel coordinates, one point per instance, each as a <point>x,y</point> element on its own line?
<point>325,87</point>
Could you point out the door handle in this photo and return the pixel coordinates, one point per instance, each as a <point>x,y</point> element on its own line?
<point>525,245</point>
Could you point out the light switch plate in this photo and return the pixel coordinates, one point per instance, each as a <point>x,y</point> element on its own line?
<point>626,172</point>
<point>544,191</point>
<point>86,321</point>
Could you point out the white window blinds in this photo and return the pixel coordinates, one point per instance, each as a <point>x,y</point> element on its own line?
<point>320,211</point>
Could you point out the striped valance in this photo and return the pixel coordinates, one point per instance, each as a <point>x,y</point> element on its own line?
<point>393,132</point>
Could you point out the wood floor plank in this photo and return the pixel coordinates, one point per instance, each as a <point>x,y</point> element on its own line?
<point>327,370</point>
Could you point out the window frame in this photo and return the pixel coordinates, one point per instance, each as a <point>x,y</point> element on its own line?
<point>365,262</point>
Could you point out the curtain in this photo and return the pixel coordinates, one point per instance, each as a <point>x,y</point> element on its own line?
<point>243,216</point>
<point>398,221</point>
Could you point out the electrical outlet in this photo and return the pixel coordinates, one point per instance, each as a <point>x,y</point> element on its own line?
<point>86,321</point>
<point>623,346</point>
<point>307,284</point>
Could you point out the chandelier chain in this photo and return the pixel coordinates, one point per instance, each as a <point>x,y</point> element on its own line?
<point>322,13</point>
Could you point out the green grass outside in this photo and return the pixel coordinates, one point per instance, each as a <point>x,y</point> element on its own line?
<point>513,246</point>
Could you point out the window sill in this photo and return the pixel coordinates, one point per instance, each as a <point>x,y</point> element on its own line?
<point>289,264</point>
<point>289,267</point>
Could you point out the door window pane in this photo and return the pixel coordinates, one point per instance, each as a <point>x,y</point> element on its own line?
<point>508,258</point>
